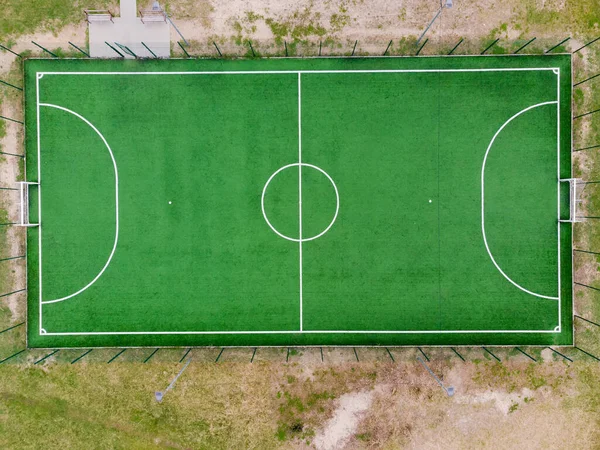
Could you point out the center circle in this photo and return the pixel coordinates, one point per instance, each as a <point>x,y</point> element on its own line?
<point>299,165</point>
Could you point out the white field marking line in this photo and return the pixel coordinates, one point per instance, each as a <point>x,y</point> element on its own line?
<point>558,191</point>
<point>116,204</point>
<point>262,203</point>
<point>39,180</point>
<point>92,333</point>
<point>266,72</point>
<point>300,188</point>
<point>483,199</point>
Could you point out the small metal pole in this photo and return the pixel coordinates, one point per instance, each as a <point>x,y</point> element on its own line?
<point>184,50</point>
<point>449,390</point>
<point>456,46</point>
<point>218,51</point>
<point>148,48</point>
<point>77,48</point>
<point>320,43</point>
<point>490,46</point>
<point>160,395</point>
<point>176,29</point>
<point>322,354</point>
<point>390,353</point>
<point>587,79</point>
<point>12,356</point>
<point>580,48</point>
<point>458,354</point>
<point>11,85</point>
<point>219,356</point>
<point>9,50</point>
<point>430,23</point>
<point>287,357</point>
<point>46,357</point>
<point>495,357</point>
<point>559,353</point>
<point>45,49</point>
<point>421,47</point>
<point>78,358</point>
<point>118,52</point>
<point>185,354</point>
<point>253,355</point>
<point>529,356</point>
<point>589,354</point>
<point>286,51</point>
<point>116,356</point>
<point>151,355</point>
<point>11,328</point>
<point>355,354</point>
<point>423,353</point>
<point>12,120</point>
<point>523,46</point>
<point>251,49</point>
<point>586,320</point>
<point>387,48</point>
<point>354,48</point>
<point>557,45</point>
<point>586,114</point>
<point>13,292</point>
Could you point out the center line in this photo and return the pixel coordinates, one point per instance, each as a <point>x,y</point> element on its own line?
<point>300,189</point>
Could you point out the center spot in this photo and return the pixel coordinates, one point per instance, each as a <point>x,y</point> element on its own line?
<point>283,201</point>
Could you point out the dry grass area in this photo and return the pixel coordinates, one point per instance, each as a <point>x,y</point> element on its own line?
<point>299,404</point>
<point>307,402</point>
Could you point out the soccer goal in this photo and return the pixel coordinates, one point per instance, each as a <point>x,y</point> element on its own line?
<point>24,202</point>
<point>574,199</point>
<point>98,15</point>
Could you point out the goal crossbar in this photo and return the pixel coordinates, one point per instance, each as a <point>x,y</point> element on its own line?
<point>24,201</point>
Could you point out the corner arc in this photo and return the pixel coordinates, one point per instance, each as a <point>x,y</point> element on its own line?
<point>535,294</point>
<point>79,116</point>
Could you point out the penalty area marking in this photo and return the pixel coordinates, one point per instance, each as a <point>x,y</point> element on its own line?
<point>337,203</point>
<point>483,201</point>
<point>116,206</point>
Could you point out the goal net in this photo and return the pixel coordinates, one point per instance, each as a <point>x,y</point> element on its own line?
<point>24,204</point>
<point>575,199</point>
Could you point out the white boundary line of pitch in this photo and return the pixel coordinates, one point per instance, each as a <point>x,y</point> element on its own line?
<point>299,72</point>
<point>276,72</point>
<point>300,188</point>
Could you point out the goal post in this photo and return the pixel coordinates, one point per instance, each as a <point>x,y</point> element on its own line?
<point>24,203</point>
<point>574,199</point>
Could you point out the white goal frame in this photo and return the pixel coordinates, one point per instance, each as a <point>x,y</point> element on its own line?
<point>24,203</point>
<point>573,200</point>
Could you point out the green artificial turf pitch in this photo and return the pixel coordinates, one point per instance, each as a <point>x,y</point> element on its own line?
<point>392,201</point>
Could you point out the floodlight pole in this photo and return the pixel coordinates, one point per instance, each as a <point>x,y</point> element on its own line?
<point>443,4</point>
<point>159,395</point>
<point>449,390</point>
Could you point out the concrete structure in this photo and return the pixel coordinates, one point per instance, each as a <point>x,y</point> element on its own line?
<point>129,30</point>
